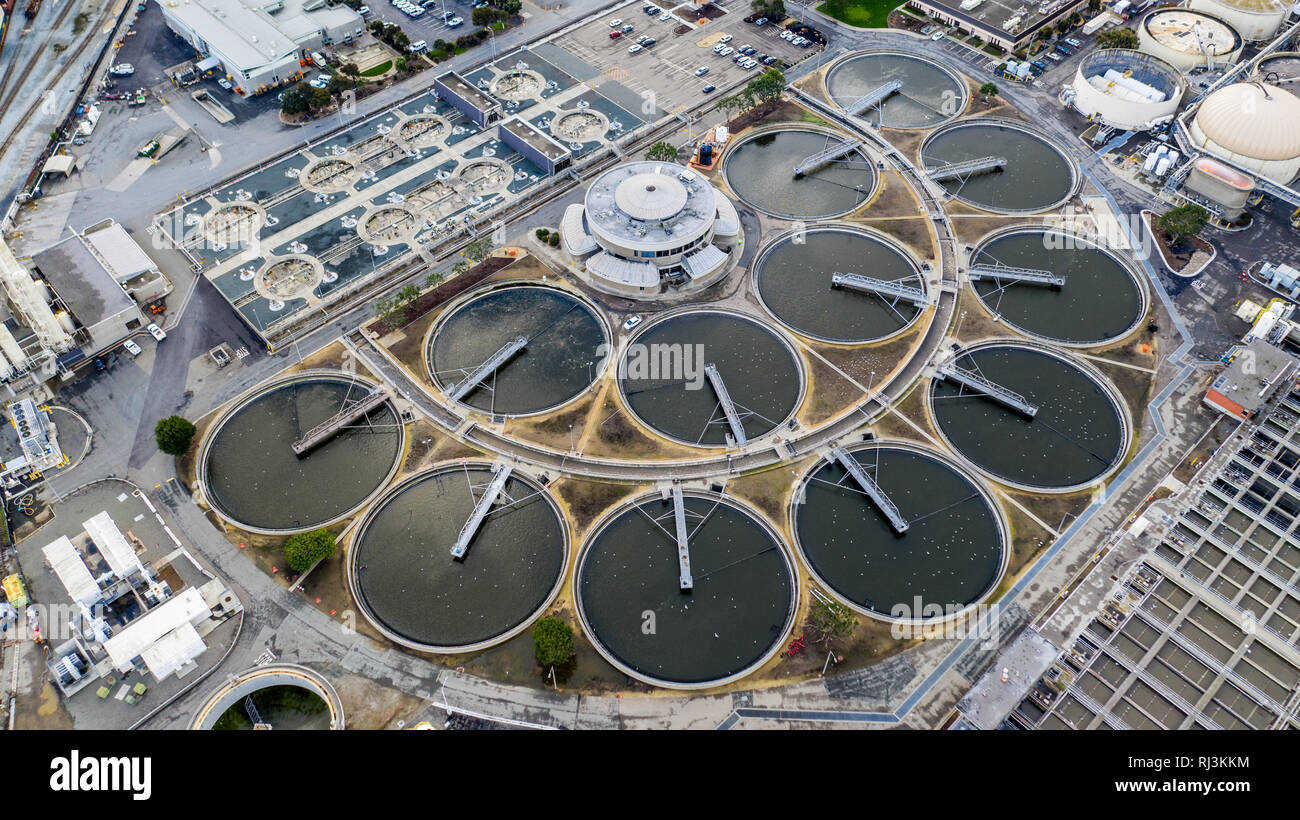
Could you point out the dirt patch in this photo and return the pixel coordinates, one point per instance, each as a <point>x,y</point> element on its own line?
<point>559,430</point>
<point>368,705</point>
<point>586,499</point>
<point>912,232</point>
<point>1186,254</point>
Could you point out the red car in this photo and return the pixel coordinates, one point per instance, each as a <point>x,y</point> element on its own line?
<point>614,35</point>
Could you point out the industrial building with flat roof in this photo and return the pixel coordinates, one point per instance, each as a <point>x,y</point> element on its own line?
<point>479,107</point>
<point>536,145</point>
<point>1010,24</point>
<point>260,45</point>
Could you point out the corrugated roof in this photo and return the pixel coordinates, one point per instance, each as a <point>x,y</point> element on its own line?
<point>63,558</point>
<point>82,282</point>
<point>117,552</point>
<point>173,650</point>
<point>123,257</point>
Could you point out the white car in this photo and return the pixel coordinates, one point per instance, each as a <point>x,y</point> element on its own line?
<point>726,38</point>
<point>224,83</point>
<point>632,321</point>
<point>787,35</point>
<point>318,84</point>
<point>937,36</point>
<point>363,11</point>
<point>726,51</point>
<point>616,22</point>
<point>156,332</point>
<point>633,49</point>
<point>132,347</point>
<point>455,21</point>
<point>122,70</point>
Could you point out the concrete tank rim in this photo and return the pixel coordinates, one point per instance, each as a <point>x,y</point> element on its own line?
<point>773,241</point>
<point>958,78</point>
<point>276,382</point>
<point>734,145</point>
<point>779,332</point>
<point>433,470</point>
<point>1003,122</point>
<point>463,299</point>
<point>943,458</point>
<point>1144,293</point>
<point>1107,386</point>
<point>231,691</point>
<point>769,528</point>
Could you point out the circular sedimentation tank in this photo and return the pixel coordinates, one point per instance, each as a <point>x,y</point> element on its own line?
<point>930,94</point>
<point>663,376</point>
<point>793,279</point>
<point>1036,177</point>
<point>252,476</point>
<point>411,587</point>
<point>760,170</point>
<point>1078,435</point>
<point>283,695</point>
<point>560,360</point>
<point>630,600</point>
<point>950,557</point>
<point>1101,300</point>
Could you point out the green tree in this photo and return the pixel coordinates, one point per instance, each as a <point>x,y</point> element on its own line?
<point>989,90</point>
<point>729,104</point>
<point>351,70</point>
<point>1184,221</point>
<point>772,9</point>
<point>173,435</point>
<point>294,101</point>
<point>434,279</point>
<point>511,6</point>
<point>478,250</point>
<point>662,152</point>
<point>1118,38</point>
<point>767,86</point>
<point>552,642</point>
<point>305,549</point>
<point>830,620</point>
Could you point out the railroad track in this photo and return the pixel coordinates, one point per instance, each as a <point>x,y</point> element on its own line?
<point>9,93</point>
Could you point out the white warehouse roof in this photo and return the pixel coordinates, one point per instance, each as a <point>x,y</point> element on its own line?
<point>142,633</point>
<point>173,651</point>
<point>63,558</point>
<point>119,554</point>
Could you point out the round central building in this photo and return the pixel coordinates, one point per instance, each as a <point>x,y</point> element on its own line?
<point>647,226</point>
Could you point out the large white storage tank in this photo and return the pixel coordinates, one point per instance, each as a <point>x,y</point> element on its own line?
<point>1186,39</point>
<point>1254,125</point>
<point>1254,19</point>
<point>1126,89</point>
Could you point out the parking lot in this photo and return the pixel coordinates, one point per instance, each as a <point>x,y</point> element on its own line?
<point>431,25</point>
<point>665,72</point>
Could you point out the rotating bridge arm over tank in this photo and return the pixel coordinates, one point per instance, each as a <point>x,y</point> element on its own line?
<point>478,374</point>
<point>728,406</point>
<point>826,156</point>
<point>481,507</point>
<point>872,489</point>
<point>986,387</point>
<point>685,580</point>
<point>329,428</point>
<point>880,287</point>
<point>873,98</point>
<point>967,168</point>
<point>1006,273</point>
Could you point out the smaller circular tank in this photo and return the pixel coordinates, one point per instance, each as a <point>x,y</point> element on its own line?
<point>1186,39</point>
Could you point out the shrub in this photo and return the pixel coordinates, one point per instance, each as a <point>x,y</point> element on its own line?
<point>173,435</point>
<point>303,550</point>
<point>552,642</point>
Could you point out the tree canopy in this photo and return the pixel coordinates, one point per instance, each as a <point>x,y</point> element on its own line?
<point>1184,221</point>
<point>174,435</point>
<point>662,152</point>
<point>989,90</point>
<point>552,642</point>
<point>830,619</point>
<point>303,550</point>
<point>1118,38</point>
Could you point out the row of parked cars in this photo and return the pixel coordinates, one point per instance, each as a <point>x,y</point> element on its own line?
<point>743,54</point>
<point>416,10</point>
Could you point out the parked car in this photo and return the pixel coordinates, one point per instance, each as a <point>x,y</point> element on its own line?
<point>616,22</point>
<point>649,41</point>
<point>614,35</point>
<point>455,22</point>
<point>632,321</point>
<point>132,347</point>
<point>1074,42</point>
<point>122,70</point>
<point>156,332</point>
<point>633,49</point>
<point>726,38</point>
<point>418,47</point>
<point>364,11</point>
<point>762,21</point>
<point>1053,56</point>
<point>701,71</point>
<point>937,36</point>
<point>709,89</point>
<point>226,84</point>
<point>318,83</point>
<point>627,29</point>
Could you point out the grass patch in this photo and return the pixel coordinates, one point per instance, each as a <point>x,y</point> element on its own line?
<point>860,13</point>
<point>79,23</point>
<point>809,116</point>
<point>376,70</point>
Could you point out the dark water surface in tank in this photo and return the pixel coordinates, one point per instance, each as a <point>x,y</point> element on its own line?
<point>737,611</point>
<point>1035,177</point>
<point>761,172</point>
<point>929,94</point>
